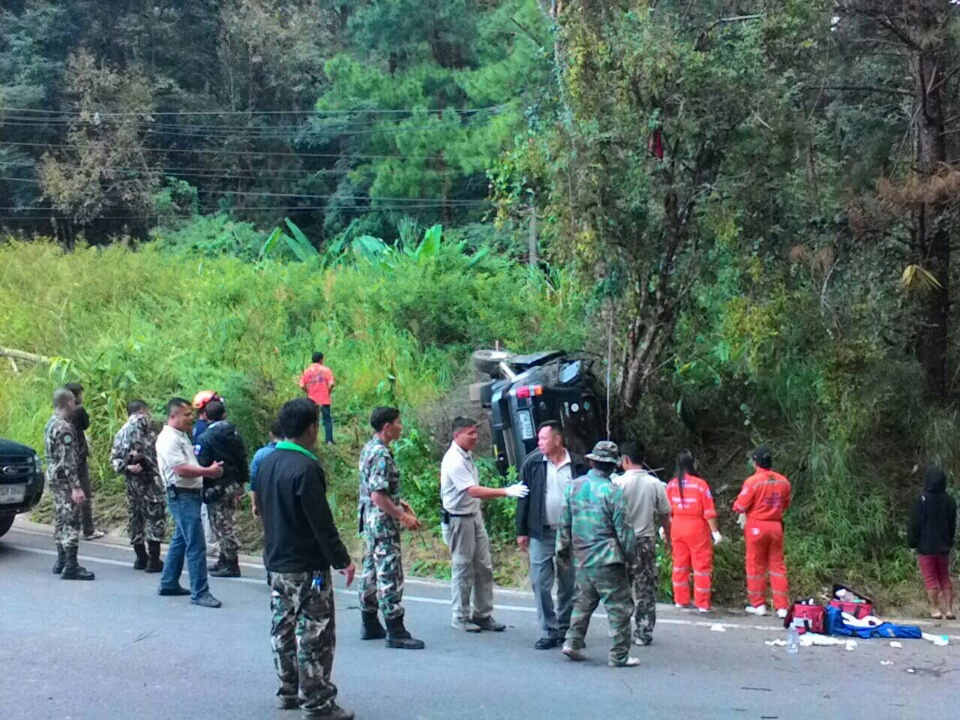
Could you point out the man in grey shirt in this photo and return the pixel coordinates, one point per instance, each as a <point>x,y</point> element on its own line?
<point>464,531</point>
<point>647,504</point>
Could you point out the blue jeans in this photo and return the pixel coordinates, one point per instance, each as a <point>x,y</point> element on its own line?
<point>327,423</point>
<point>187,540</point>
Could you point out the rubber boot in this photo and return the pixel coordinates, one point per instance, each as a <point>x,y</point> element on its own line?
<point>228,569</point>
<point>371,629</point>
<point>72,570</point>
<point>154,563</point>
<point>141,562</point>
<point>218,565</point>
<point>61,559</point>
<point>398,637</point>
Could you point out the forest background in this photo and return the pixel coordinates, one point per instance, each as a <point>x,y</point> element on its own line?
<point>746,209</point>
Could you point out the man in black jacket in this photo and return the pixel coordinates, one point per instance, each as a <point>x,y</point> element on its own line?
<point>546,472</point>
<point>222,442</point>
<point>300,543</point>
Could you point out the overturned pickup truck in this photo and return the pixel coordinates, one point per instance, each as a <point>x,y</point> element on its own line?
<point>524,391</point>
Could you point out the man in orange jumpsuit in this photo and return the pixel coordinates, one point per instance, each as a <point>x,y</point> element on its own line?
<point>761,503</point>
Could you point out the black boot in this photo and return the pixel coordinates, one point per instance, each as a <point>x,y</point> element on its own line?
<point>218,565</point>
<point>372,629</point>
<point>226,568</point>
<point>72,570</point>
<point>141,562</point>
<point>154,563</point>
<point>398,637</point>
<point>61,559</point>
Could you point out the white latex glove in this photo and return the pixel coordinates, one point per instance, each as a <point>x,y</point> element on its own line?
<point>661,533</point>
<point>742,520</point>
<point>519,490</point>
<point>717,537</point>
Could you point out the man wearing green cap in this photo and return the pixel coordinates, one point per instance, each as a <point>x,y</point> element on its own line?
<point>596,529</point>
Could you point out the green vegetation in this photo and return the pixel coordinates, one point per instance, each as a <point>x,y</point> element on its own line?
<point>747,208</point>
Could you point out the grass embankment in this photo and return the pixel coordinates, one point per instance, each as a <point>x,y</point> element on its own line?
<point>152,324</point>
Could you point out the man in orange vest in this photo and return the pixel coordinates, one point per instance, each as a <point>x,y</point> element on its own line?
<point>317,381</point>
<point>761,503</point>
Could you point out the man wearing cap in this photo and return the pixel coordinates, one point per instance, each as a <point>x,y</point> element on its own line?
<point>596,530</point>
<point>761,503</point>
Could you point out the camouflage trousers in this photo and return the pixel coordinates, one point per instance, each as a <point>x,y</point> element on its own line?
<point>221,515</point>
<point>146,511</point>
<point>303,636</point>
<point>67,516</point>
<point>646,583</point>
<point>381,579</point>
<point>611,584</point>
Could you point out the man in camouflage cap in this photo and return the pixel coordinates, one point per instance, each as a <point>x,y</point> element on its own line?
<point>382,513</point>
<point>595,527</point>
<point>63,479</point>
<point>134,455</point>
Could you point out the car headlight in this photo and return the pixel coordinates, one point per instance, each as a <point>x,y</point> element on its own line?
<point>38,464</point>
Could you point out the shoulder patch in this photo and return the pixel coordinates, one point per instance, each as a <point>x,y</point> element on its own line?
<point>67,438</point>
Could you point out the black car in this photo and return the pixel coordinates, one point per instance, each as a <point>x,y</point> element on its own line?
<point>21,481</point>
<point>526,390</point>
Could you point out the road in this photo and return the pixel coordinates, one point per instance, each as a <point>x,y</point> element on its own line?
<point>112,649</point>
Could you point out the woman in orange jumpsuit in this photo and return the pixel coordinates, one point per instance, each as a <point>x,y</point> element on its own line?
<point>693,520</point>
<point>761,503</point>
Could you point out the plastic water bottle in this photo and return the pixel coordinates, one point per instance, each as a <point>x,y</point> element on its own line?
<point>793,640</point>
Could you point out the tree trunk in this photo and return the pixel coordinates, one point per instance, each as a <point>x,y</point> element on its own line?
<point>928,66</point>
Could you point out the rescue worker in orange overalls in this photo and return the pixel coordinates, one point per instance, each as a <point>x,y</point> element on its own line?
<point>761,504</point>
<point>693,519</point>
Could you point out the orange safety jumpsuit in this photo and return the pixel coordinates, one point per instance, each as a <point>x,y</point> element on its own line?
<point>690,508</point>
<point>764,498</point>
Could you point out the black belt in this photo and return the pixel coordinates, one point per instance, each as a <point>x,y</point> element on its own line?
<point>184,491</point>
<point>445,516</point>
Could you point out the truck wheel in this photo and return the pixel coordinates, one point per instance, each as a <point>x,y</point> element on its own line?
<point>6,522</point>
<point>487,361</point>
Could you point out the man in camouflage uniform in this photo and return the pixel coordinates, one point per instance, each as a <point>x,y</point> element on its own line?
<point>81,421</point>
<point>63,479</point>
<point>381,513</point>
<point>595,527</point>
<point>222,442</point>
<point>134,455</point>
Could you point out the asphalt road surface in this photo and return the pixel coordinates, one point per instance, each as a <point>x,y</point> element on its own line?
<point>113,649</point>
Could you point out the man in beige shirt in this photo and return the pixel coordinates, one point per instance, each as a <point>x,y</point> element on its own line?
<point>647,505</point>
<point>464,531</point>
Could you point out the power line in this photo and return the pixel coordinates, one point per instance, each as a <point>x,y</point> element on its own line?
<point>247,113</point>
<point>203,151</point>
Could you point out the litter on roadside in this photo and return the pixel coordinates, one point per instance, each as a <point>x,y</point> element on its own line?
<point>718,628</point>
<point>938,640</point>
<point>886,663</point>
<point>895,644</point>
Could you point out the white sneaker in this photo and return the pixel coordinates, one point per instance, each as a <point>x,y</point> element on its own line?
<point>759,611</point>
<point>679,606</point>
<point>705,610</point>
<point>782,614</point>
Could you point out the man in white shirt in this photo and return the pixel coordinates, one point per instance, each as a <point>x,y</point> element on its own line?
<point>183,479</point>
<point>546,472</point>
<point>464,531</point>
<point>647,505</point>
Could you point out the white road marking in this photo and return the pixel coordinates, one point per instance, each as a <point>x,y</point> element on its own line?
<point>417,598</point>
